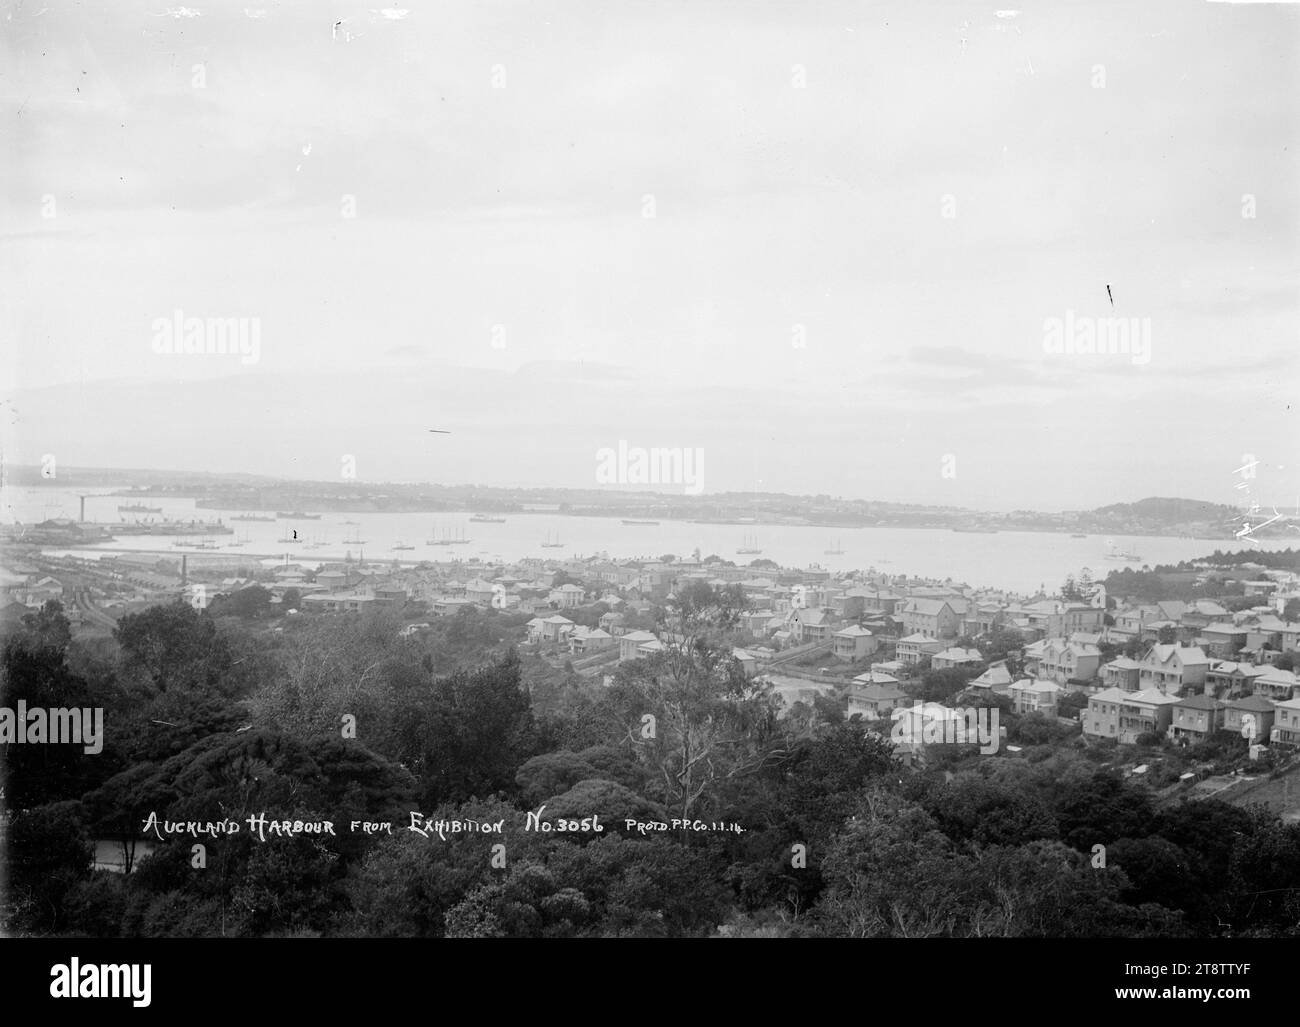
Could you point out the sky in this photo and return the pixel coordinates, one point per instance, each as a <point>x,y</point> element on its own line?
<point>827,245</point>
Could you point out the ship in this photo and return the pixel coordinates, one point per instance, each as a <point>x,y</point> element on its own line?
<point>403,545</point>
<point>296,515</point>
<point>448,540</point>
<point>288,540</point>
<point>1077,535</point>
<point>640,522</point>
<point>484,519</point>
<point>138,508</point>
<point>835,550</point>
<point>548,544</point>
<point>977,531</point>
<point>251,517</point>
<point>1115,553</point>
<point>750,548</point>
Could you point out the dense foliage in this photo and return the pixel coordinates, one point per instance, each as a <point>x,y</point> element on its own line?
<point>221,716</point>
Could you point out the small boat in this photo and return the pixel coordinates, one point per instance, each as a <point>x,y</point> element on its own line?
<point>483,519</point>
<point>1076,535</point>
<point>835,549</point>
<point>289,541</point>
<point>977,531</point>
<point>138,508</point>
<point>296,515</point>
<point>251,517</point>
<point>640,522</point>
<point>403,545</point>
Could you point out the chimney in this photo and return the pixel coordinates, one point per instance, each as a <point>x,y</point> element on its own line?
<point>184,569</point>
<point>83,509</point>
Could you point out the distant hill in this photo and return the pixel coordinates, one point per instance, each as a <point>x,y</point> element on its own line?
<point>1165,509</point>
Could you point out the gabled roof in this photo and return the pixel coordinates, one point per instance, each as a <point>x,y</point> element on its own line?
<point>1189,655</point>
<point>1109,695</point>
<point>926,607</point>
<point>997,674</point>
<point>853,631</point>
<point>877,692</point>
<point>1231,667</point>
<point>1200,702</point>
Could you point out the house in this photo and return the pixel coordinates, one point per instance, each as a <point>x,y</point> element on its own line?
<point>854,643</point>
<point>955,657</point>
<point>1276,685</point>
<point>566,597</point>
<point>1250,716</point>
<point>931,618</point>
<point>337,602</point>
<point>1149,711</point>
<point>1224,640</point>
<point>1286,726</point>
<point>1121,673</point>
<point>534,628</point>
<point>923,721</point>
<point>982,618</point>
<point>1153,631</point>
<point>1062,661</point>
<point>609,621</point>
<point>751,662</point>
<point>1264,632</point>
<point>1195,718</point>
<point>1173,668</point>
<point>795,690</point>
<point>873,701</point>
<point>555,627</point>
<point>1101,719</point>
<point>1229,679</point>
<point>584,640</point>
<point>811,625</point>
<point>630,642</point>
<point>881,601</point>
<point>890,667</point>
<point>914,648</point>
<point>1202,613</point>
<point>445,606</point>
<point>1029,696</point>
<point>479,591</point>
<point>996,680</point>
<point>1056,619</point>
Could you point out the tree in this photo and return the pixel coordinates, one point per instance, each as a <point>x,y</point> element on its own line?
<point>250,603</point>
<point>175,646</point>
<point>291,599</point>
<point>1291,611</point>
<point>1167,635</point>
<point>689,710</point>
<point>49,851</point>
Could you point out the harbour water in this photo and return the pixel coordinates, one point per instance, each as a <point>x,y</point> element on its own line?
<point>1014,560</point>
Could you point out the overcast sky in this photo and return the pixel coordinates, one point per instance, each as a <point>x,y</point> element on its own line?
<point>864,216</point>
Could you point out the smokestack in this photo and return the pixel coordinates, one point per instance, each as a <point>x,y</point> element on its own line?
<point>184,568</point>
<point>83,509</point>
